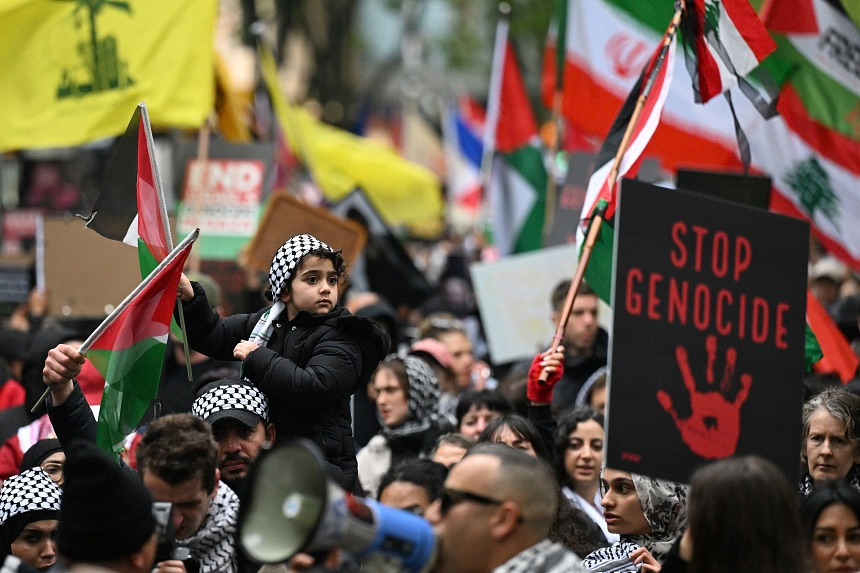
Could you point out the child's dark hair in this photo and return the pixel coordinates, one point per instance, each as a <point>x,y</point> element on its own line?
<point>336,258</point>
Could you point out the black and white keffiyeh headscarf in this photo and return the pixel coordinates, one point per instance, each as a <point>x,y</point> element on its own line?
<point>423,396</point>
<point>283,266</point>
<point>24,498</point>
<point>543,557</point>
<point>664,504</point>
<point>287,259</point>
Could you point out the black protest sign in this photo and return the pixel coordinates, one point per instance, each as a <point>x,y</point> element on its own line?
<point>707,355</point>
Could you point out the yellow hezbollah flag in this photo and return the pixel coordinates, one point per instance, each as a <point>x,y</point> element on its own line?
<point>404,193</point>
<point>73,71</point>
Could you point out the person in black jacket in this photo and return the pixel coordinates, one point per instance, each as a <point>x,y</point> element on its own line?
<point>306,352</point>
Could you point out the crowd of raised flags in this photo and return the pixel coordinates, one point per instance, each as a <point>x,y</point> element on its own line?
<point>610,70</point>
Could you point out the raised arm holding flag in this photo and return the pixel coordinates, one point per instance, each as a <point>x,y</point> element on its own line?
<point>127,349</point>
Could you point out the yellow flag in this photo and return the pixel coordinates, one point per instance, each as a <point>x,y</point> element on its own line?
<point>405,193</point>
<point>73,71</point>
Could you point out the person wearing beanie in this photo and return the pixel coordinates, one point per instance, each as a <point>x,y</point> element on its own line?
<point>106,519</point>
<point>46,454</point>
<point>306,352</point>
<point>29,508</point>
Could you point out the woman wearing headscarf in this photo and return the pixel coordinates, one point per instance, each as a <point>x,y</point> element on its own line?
<point>649,514</point>
<point>407,403</point>
<point>29,513</point>
<point>46,454</point>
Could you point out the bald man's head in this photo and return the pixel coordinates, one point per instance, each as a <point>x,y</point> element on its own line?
<point>523,479</point>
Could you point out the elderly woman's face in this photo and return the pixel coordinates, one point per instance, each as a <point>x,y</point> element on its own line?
<point>830,452</point>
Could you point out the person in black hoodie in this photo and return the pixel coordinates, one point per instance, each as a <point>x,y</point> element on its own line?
<point>306,352</point>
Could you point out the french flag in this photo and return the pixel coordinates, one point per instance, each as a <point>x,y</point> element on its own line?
<point>463,132</point>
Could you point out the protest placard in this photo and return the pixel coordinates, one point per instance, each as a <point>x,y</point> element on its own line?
<point>707,352</point>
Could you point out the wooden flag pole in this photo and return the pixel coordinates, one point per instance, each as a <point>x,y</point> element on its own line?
<point>600,212</point>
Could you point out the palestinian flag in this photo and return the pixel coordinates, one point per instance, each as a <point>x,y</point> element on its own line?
<point>512,149</point>
<point>130,205</point>
<point>838,358</point>
<point>725,40</point>
<point>128,349</point>
<point>600,188</point>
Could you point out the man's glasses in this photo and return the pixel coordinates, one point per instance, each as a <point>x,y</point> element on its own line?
<point>452,497</point>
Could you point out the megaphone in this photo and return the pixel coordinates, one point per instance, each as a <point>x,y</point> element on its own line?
<point>293,507</point>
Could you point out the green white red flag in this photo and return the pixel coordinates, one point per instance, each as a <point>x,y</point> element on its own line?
<point>727,40</point>
<point>128,349</point>
<point>512,152</point>
<point>130,206</point>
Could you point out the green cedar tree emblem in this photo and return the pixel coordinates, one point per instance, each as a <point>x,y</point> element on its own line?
<point>712,17</point>
<point>810,183</point>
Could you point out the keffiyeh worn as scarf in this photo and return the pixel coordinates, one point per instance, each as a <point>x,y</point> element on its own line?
<point>664,504</point>
<point>423,397</point>
<point>544,557</point>
<point>612,559</point>
<point>214,544</point>
<point>852,479</point>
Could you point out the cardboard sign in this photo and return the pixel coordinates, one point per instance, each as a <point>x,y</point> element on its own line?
<point>521,330</point>
<point>86,274</point>
<point>707,353</point>
<point>287,216</point>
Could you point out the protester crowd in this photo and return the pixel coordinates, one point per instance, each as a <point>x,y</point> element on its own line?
<point>506,461</point>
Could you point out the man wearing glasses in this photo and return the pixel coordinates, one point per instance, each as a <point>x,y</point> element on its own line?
<point>495,513</point>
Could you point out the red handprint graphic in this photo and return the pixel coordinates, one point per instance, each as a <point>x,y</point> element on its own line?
<point>714,427</point>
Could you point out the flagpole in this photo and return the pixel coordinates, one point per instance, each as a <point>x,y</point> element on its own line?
<point>120,308</point>
<point>162,208</point>
<point>494,101</point>
<point>600,211</point>
<point>557,99</point>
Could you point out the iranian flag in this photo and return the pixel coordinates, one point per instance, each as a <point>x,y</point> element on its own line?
<point>601,189</point>
<point>512,151</point>
<point>726,40</point>
<point>130,206</point>
<point>128,348</point>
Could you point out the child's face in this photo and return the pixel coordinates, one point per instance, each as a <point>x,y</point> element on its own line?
<point>314,288</point>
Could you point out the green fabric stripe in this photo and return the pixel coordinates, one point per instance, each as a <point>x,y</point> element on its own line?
<point>598,275</point>
<point>528,161</point>
<point>148,263</point>
<point>133,377</point>
<point>812,350</point>
<point>145,258</point>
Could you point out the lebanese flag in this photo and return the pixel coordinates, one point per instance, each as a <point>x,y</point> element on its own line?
<point>600,189</point>
<point>839,358</point>
<point>127,349</point>
<point>130,205</point>
<point>727,40</point>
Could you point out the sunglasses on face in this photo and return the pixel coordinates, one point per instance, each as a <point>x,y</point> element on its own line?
<point>451,497</point>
